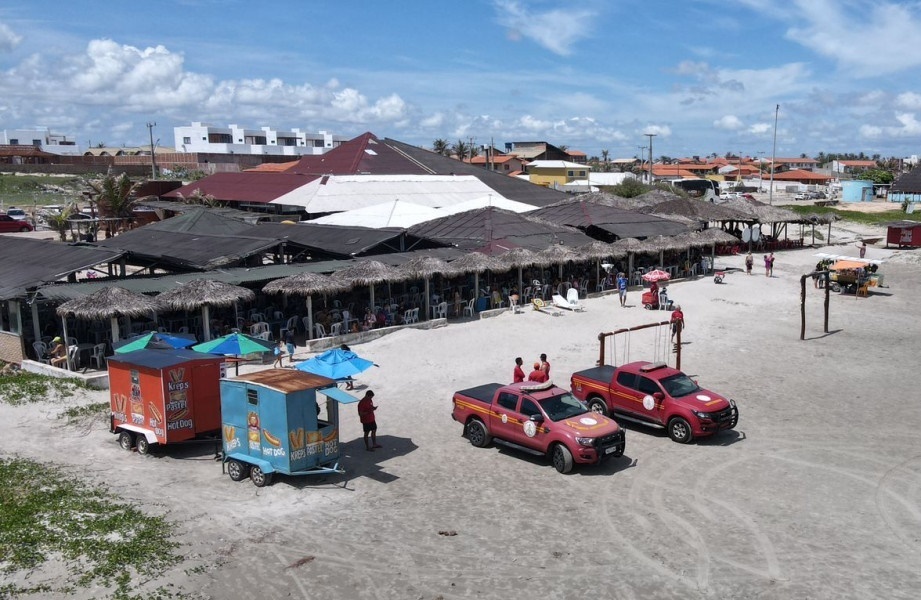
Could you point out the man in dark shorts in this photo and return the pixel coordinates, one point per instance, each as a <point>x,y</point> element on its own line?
<point>366,410</point>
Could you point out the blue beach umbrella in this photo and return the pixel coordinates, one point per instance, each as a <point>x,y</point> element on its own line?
<point>234,343</point>
<point>335,364</point>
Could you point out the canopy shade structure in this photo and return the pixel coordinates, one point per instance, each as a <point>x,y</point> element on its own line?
<point>335,364</point>
<point>395,213</point>
<point>155,341</point>
<point>204,293</point>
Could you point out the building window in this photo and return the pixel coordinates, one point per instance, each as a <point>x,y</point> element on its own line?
<point>14,141</point>
<point>186,140</point>
<point>570,173</point>
<point>318,143</point>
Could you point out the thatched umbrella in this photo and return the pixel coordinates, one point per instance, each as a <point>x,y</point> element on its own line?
<point>306,284</point>
<point>520,257</point>
<point>112,302</point>
<point>661,243</point>
<point>600,250</point>
<point>476,263</point>
<point>423,267</point>
<point>690,208</point>
<point>709,237</point>
<point>631,246</point>
<point>368,272</point>
<point>557,254</point>
<point>204,293</point>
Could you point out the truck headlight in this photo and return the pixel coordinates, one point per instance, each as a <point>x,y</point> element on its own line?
<point>585,441</point>
<point>703,415</point>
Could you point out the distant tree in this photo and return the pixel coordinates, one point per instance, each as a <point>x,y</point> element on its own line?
<point>59,222</point>
<point>114,196</point>
<point>197,197</point>
<point>460,149</point>
<point>877,176</point>
<point>563,147</point>
<point>441,146</point>
<point>604,154</point>
<point>101,145</point>
<point>630,188</point>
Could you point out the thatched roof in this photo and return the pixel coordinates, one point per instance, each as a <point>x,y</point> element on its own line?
<point>423,267</point>
<point>630,245</point>
<point>690,208</point>
<point>556,254</point>
<point>368,272</point>
<point>618,201</point>
<point>598,249</point>
<point>665,243</point>
<point>109,302</point>
<point>765,213</point>
<point>305,284</point>
<point>474,262</point>
<point>520,257</point>
<point>711,236</point>
<point>200,292</point>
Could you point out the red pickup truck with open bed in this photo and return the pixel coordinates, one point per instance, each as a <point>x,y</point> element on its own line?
<point>540,419</point>
<point>657,395</point>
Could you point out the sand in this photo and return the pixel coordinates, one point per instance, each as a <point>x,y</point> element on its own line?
<point>816,494</point>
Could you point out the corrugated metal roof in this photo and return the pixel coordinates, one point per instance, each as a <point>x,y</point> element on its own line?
<point>340,241</point>
<point>622,223</point>
<point>188,250</point>
<point>200,220</point>
<point>26,264</point>
<point>249,186</point>
<point>363,154</point>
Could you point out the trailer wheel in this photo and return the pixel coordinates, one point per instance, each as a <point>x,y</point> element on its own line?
<point>237,470</point>
<point>562,458</point>
<point>679,430</point>
<point>597,405</point>
<point>259,477</point>
<point>142,444</point>
<point>477,434</point>
<point>126,440</point>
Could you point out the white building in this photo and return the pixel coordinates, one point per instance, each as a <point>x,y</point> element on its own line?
<point>233,139</point>
<point>41,137</point>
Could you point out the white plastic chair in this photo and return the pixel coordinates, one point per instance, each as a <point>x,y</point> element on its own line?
<point>335,329</point>
<point>98,357</point>
<point>41,352</point>
<point>468,310</point>
<point>441,311</point>
<point>414,315</point>
<point>321,331</point>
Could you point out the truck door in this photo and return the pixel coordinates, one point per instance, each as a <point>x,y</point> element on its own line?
<point>652,408</point>
<point>505,417</point>
<point>634,394</point>
<point>533,435</point>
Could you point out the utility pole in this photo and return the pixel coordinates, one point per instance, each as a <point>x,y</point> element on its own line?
<point>650,136</point>
<point>153,156</point>
<point>773,156</point>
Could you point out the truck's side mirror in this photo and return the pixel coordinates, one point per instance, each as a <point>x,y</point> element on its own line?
<point>538,418</point>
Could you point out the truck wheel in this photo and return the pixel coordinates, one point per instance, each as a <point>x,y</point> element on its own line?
<point>597,405</point>
<point>679,430</point>
<point>126,440</point>
<point>260,478</point>
<point>477,434</point>
<point>142,444</point>
<point>562,458</point>
<point>237,470</point>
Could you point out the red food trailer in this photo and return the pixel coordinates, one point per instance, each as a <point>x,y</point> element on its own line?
<point>904,234</point>
<point>164,396</point>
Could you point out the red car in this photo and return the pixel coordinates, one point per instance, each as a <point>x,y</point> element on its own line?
<point>9,225</point>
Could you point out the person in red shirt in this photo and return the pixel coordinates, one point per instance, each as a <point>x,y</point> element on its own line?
<point>677,321</point>
<point>366,410</point>
<point>545,365</point>
<point>518,373</point>
<point>538,375</point>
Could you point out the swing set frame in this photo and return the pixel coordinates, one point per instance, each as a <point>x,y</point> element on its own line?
<point>612,334</point>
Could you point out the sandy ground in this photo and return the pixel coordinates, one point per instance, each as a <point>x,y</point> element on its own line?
<point>816,494</point>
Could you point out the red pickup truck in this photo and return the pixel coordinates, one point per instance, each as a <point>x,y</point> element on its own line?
<point>657,395</point>
<point>540,419</point>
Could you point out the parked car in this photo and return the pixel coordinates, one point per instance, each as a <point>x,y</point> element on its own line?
<point>9,225</point>
<point>17,213</point>
<point>800,196</point>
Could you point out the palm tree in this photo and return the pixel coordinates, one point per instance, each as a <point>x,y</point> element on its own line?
<point>114,196</point>
<point>59,222</point>
<point>440,146</point>
<point>460,149</point>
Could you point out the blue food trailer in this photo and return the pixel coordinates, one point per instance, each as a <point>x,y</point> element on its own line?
<point>272,423</point>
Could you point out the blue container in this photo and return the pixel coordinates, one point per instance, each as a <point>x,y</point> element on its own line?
<point>272,422</point>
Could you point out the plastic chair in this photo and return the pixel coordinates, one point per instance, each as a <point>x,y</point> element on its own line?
<point>98,357</point>
<point>335,329</point>
<point>73,355</point>
<point>41,352</point>
<point>468,310</point>
<point>414,315</point>
<point>321,331</point>
<point>441,311</point>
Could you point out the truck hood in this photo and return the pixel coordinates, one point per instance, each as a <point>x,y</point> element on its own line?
<point>590,425</point>
<point>704,401</point>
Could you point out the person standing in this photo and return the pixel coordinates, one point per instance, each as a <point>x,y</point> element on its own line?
<point>622,288</point>
<point>366,410</point>
<point>677,321</point>
<point>771,264</point>
<point>289,343</point>
<point>863,248</point>
<point>545,365</point>
<point>518,372</point>
<point>537,375</point>
<point>279,353</point>
<point>749,263</point>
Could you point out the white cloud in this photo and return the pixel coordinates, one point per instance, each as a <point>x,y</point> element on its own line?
<point>759,128</point>
<point>871,131</point>
<point>909,127</point>
<point>728,122</point>
<point>909,100</point>
<point>658,130</point>
<point>556,30</point>
<point>9,39</point>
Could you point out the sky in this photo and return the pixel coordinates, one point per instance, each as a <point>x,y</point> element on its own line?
<point>703,76</point>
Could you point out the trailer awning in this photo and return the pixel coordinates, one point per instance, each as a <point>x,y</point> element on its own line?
<point>338,395</point>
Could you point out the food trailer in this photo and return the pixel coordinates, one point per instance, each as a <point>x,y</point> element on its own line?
<point>272,423</point>
<point>164,396</point>
<point>904,234</point>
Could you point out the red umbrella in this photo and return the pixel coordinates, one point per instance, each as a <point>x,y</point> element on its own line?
<point>656,275</point>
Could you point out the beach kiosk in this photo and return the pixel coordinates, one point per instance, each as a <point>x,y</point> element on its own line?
<point>163,396</point>
<point>273,423</point>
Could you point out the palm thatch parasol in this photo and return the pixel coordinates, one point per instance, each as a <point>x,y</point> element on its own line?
<point>111,302</point>
<point>476,263</point>
<point>368,272</point>
<point>631,246</point>
<point>557,254</point>
<point>423,267</point>
<point>306,284</point>
<point>599,251</point>
<point>689,208</point>
<point>204,293</point>
<point>520,257</point>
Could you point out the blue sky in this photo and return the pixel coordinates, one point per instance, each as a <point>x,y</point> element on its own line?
<point>703,75</point>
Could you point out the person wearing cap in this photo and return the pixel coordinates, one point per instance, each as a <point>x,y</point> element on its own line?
<point>58,352</point>
<point>537,375</point>
<point>366,410</point>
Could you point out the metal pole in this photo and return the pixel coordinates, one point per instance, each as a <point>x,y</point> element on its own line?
<point>773,156</point>
<point>650,136</point>
<point>153,158</point>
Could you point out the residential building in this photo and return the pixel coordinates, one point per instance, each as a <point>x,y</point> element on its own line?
<point>791,164</point>
<point>556,173</point>
<point>233,139</point>
<point>501,163</point>
<point>536,151</point>
<point>41,138</point>
<point>907,188</point>
<point>852,166</point>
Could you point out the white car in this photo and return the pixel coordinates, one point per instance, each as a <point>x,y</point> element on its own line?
<point>801,196</point>
<point>17,213</point>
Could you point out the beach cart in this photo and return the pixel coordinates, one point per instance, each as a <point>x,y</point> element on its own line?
<point>273,423</point>
<point>164,396</point>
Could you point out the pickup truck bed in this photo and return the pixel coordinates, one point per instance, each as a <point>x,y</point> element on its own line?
<point>602,373</point>
<point>483,393</point>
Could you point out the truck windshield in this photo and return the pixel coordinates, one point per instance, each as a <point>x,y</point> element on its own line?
<point>562,407</point>
<point>679,385</point>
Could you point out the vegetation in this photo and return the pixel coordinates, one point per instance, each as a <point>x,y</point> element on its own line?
<point>38,190</point>
<point>441,146</point>
<point>76,415</point>
<point>876,218</point>
<point>20,387</point>
<point>113,196</point>
<point>48,517</point>
<point>59,222</point>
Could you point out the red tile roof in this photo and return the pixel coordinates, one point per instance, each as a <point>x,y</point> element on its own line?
<point>363,154</point>
<point>243,187</point>
<point>800,175</point>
